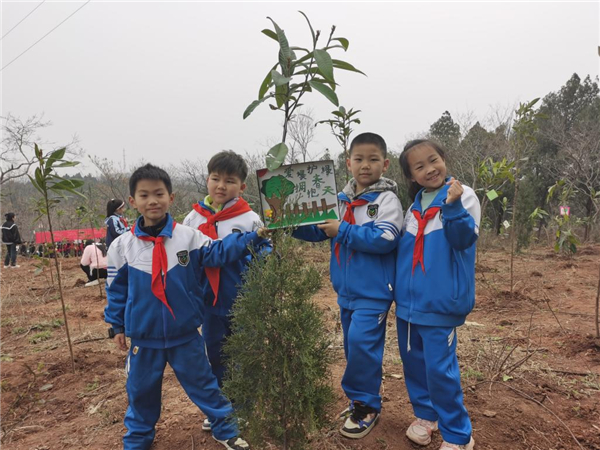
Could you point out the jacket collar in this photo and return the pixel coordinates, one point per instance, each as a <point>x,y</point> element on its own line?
<point>348,194</point>
<point>438,201</point>
<point>167,230</point>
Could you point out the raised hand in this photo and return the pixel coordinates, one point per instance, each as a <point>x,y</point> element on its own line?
<point>455,191</point>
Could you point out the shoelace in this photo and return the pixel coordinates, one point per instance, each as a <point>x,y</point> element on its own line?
<point>425,423</point>
<point>360,412</point>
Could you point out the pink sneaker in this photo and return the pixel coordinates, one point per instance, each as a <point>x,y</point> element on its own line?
<point>420,431</point>
<point>449,446</point>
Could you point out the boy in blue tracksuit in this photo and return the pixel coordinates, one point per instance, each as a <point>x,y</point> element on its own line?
<point>220,214</point>
<point>362,273</point>
<point>435,290</point>
<point>154,297</point>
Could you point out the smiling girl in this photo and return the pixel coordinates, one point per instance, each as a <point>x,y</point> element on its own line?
<point>435,290</point>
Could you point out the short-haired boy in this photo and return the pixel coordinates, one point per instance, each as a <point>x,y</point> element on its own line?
<point>362,269</point>
<point>154,297</point>
<point>221,213</point>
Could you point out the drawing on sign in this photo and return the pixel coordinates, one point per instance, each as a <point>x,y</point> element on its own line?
<point>298,194</point>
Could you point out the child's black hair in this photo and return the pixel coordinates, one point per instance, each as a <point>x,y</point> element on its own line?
<point>9,216</point>
<point>149,172</point>
<point>112,206</point>
<point>229,163</point>
<point>369,138</point>
<point>413,186</point>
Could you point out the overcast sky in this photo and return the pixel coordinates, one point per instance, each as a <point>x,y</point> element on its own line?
<point>168,81</point>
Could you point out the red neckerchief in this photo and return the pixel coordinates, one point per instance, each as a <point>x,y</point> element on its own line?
<point>208,228</point>
<point>422,223</point>
<point>348,217</point>
<point>159,267</point>
<point>124,221</point>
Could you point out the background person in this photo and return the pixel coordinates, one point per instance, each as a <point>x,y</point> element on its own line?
<point>94,262</point>
<point>10,237</point>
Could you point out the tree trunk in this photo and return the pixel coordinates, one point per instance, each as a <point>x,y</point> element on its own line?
<point>483,206</point>
<point>514,232</point>
<point>598,309</point>
<point>60,291</point>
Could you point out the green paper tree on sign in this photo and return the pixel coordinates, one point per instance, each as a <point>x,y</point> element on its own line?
<point>276,190</point>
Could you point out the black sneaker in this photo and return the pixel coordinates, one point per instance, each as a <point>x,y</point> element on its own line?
<point>346,413</point>
<point>361,421</point>
<point>235,443</point>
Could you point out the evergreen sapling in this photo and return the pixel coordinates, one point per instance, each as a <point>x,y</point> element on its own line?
<point>278,354</point>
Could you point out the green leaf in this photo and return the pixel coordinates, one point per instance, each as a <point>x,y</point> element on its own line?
<point>492,195</point>
<point>252,106</point>
<point>325,64</point>
<point>66,185</point>
<point>39,178</point>
<point>266,84</point>
<point>270,33</point>
<point>506,378</point>
<point>532,102</point>
<point>285,53</point>
<point>278,79</point>
<point>343,65</point>
<point>325,90</point>
<point>276,156</point>
<point>35,185</point>
<point>312,32</point>
<point>302,49</point>
<point>345,43</point>
<point>285,63</point>
<point>56,155</point>
<point>68,164</point>
<point>280,95</point>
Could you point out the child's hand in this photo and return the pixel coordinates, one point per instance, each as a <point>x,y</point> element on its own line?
<point>331,227</point>
<point>455,191</point>
<point>119,340</point>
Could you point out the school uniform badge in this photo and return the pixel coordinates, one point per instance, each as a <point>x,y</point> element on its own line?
<point>183,257</point>
<point>372,211</point>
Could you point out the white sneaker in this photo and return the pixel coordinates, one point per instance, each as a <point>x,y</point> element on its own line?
<point>15,266</point>
<point>449,446</point>
<point>235,443</point>
<point>92,283</point>
<point>206,425</point>
<point>6,267</point>
<point>420,431</point>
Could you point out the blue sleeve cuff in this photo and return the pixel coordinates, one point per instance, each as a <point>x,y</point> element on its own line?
<point>454,210</point>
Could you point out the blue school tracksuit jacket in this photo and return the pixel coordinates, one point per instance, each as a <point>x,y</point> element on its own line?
<point>435,290</point>
<point>159,336</point>
<point>363,280</point>
<point>115,227</point>
<point>217,320</point>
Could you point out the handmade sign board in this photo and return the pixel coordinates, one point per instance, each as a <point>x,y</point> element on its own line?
<point>298,194</point>
<point>565,210</point>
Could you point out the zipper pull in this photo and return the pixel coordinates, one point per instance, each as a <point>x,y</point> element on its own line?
<point>390,287</point>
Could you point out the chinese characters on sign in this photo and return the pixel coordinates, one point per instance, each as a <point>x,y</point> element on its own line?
<point>298,194</point>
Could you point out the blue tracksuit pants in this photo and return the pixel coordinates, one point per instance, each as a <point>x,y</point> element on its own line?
<point>364,339</point>
<point>145,368</point>
<point>215,330</point>
<point>433,378</point>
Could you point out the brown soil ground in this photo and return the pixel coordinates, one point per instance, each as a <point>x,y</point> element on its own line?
<point>530,364</point>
